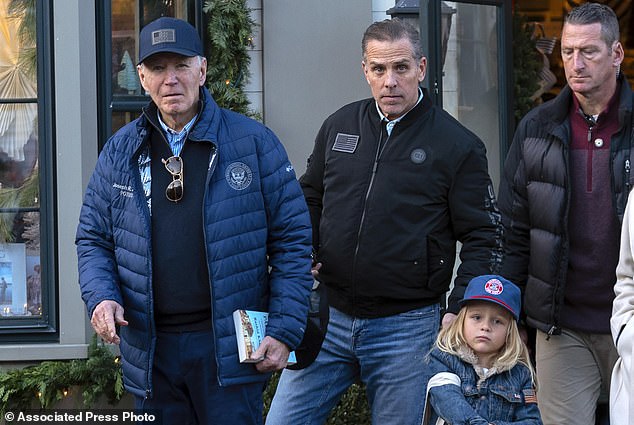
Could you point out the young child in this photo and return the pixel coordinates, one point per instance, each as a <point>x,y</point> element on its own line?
<point>480,368</point>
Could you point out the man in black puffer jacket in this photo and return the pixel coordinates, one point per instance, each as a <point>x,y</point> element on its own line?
<point>562,197</point>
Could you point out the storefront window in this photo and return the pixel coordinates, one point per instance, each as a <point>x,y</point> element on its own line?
<point>21,292</point>
<point>125,30</point>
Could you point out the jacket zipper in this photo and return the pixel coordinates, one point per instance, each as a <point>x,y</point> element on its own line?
<point>379,151</point>
<point>589,160</point>
<point>561,278</point>
<point>627,175</point>
<point>210,171</point>
<point>148,376</point>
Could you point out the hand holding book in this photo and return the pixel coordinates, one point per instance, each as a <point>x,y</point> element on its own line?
<point>268,353</point>
<point>274,355</point>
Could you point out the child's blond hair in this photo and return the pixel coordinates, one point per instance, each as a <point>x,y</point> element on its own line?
<point>451,339</point>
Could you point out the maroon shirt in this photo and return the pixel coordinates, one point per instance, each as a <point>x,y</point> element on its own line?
<point>593,227</point>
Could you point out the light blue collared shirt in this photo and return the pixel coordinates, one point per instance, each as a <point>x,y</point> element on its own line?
<point>175,139</point>
<point>390,124</point>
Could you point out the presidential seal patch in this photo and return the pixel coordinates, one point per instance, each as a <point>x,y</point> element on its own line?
<point>239,175</point>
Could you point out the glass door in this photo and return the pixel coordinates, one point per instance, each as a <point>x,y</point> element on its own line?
<point>470,72</point>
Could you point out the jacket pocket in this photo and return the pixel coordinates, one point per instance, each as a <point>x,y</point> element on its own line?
<point>508,395</point>
<point>503,403</point>
<point>441,257</point>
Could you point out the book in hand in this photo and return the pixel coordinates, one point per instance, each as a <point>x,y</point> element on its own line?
<point>250,331</point>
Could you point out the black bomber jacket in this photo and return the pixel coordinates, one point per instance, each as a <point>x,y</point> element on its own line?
<point>387,211</point>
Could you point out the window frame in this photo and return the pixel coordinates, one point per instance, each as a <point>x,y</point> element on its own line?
<point>44,328</point>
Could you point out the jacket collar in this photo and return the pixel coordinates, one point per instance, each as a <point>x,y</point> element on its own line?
<point>468,356</point>
<point>419,110</point>
<point>556,111</point>
<point>208,123</point>
<point>412,116</point>
<point>205,128</point>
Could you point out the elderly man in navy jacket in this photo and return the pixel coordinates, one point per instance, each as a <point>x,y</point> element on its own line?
<point>192,213</point>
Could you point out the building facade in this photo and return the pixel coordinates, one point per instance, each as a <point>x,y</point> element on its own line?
<point>68,81</point>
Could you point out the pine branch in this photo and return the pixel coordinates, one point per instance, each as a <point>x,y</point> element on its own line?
<point>47,383</point>
<point>230,34</point>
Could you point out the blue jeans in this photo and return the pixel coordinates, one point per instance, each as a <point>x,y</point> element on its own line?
<point>385,353</point>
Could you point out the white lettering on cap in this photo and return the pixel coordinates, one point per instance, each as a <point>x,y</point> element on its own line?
<point>163,36</point>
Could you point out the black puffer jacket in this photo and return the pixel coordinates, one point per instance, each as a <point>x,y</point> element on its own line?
<point>534,199</point>
<point>386,222</point>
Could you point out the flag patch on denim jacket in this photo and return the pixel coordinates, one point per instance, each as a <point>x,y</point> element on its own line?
<point>529,396</point>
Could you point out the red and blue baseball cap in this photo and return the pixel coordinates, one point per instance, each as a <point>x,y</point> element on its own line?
<point>167,34</point>
<point>495,289</point>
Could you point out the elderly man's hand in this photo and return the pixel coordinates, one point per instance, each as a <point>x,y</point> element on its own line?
<point>105,316</point>
<point>274,355</point>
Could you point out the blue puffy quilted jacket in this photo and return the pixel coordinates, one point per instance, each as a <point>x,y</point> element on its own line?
<point>258,240</point>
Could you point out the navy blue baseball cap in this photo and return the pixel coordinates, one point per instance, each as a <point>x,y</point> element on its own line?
<point>495,289</point>
<point>171,35</point>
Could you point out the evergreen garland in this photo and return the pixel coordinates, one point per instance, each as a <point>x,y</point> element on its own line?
<point>230,33</point>
<point>44,384</point>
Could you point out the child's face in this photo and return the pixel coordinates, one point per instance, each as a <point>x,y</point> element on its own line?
<point>485,328</point>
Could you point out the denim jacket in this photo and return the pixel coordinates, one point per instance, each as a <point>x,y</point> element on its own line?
<point>504,394</point>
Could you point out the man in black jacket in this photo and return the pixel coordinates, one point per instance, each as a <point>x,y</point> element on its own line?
<point>393,182</point>
<point>562,197</point>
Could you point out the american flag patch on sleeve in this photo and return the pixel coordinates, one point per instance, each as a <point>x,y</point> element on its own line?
<point>530,396</point>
